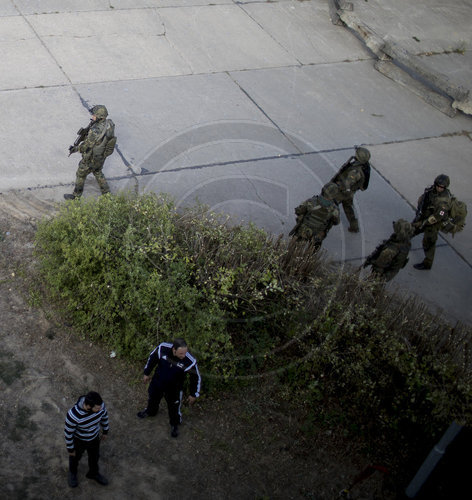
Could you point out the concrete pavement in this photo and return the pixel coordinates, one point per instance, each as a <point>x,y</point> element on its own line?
<point>247,106</point>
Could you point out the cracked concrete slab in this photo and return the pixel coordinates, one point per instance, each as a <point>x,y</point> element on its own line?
<point>175,114</point>
<point>441,28</point>
<point>8,9</point>
<point>458,66</point>
<point>306,32</point>
<point>222,38</point>
<point>54,6</point>
<point>334,105</point>
<point>25,62</point>
<point>103,46</point>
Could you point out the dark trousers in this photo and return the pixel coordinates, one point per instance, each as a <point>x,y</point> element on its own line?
<point>348,206</point>
<point>93,452</point>
<point>430,237</point>
<point>173,398</point>
<point>90,167</point>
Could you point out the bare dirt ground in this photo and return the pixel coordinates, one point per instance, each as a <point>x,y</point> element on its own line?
<point>236,446</point>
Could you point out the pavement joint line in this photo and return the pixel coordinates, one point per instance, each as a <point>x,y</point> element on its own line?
<point>248,160</point>
<point>183,75</point>
<point>46,48</point>
<point>242,7</point>
<point>191,167</point>
<point>264,113</point>
<point>116,9</point>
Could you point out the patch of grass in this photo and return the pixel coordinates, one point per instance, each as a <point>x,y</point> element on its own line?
<point>22,424</point>
<point>35,298</point>
<point>10,369</point>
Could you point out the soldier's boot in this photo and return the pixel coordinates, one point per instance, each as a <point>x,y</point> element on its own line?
<point>427,263</point>
<point>421,266</point>
<point>429,247</point>
<point>102,182</point>
<point>353,226</point>
<point>351,216</point>
<point>75,194</point>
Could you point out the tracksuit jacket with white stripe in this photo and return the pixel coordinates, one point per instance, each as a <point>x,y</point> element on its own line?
<point>170,374</point>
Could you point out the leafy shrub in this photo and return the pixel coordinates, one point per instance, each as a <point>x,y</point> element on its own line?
<point>132,271</point>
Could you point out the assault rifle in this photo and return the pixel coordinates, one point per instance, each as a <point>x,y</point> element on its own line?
<point>343,169</point>
<point>295,229</point>
<point>371,258</point>
<point>81,135</point>
<point>345,166</point>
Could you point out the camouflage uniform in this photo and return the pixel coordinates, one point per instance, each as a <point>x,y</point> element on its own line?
<point>352,176</point>
<point>97,146</point>
<point>316,216</point>
<point>433,211</point>
<point>392,254</point>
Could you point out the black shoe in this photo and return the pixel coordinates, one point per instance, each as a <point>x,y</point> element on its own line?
<point>68,196</point>
<point>174,432</point>
<point>72,480</point>
<point>353,229</point>
<point>422,266</point>
<point>98,477</point>
<point>142,414</point>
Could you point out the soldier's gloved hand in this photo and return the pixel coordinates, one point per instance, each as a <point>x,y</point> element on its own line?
<point>432,219</point>
<point>448,226</point>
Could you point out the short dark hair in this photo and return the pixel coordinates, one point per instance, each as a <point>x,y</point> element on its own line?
<point>92,399</point>
<point>176,343</point>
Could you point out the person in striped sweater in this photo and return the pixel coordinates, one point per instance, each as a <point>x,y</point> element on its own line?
<point>82,432</point>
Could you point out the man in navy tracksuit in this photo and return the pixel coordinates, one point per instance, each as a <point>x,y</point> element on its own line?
<point>173,362</point>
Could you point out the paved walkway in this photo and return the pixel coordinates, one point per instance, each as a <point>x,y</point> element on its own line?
<point>247,106</point>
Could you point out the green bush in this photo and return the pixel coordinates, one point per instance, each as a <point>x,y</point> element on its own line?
<point>132,271</point>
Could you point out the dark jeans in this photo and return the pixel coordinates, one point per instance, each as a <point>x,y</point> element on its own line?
<point>93,452</point>
<point>173,398</point>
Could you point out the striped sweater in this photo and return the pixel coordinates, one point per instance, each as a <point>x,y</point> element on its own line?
<point>84,425</point>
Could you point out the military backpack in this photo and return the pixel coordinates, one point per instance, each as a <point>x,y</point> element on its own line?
<point>457,216</point>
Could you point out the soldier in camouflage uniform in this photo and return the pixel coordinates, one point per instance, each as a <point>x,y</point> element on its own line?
<point>352,176</point>
<point>317,215</point>
<point>97,146</point>
<point>432,215</point>
<point>392,254</point>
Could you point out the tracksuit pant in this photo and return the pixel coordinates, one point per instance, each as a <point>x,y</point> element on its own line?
<point>173,398</point>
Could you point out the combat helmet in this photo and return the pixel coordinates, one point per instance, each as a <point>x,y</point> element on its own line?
<point>330,191</point>
<point>403,229</point>
<point>362,155</point>
<point>99,111</point>
<point>442,181</point>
